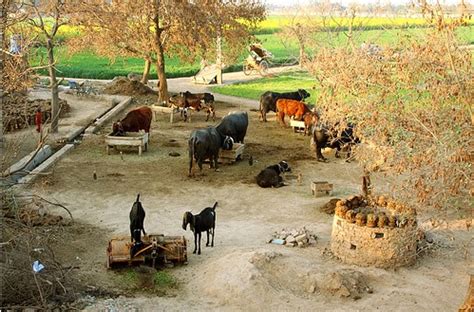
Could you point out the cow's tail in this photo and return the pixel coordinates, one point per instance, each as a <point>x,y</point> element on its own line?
<point>192,141</point>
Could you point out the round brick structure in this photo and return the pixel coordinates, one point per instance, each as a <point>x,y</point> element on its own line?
<point>357,240</point>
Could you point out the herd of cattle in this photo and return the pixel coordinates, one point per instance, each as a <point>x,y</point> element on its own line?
<point>206,143</point>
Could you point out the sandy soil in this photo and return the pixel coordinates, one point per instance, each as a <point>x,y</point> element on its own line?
<point>242,271</point>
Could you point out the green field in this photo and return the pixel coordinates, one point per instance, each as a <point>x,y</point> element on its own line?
<point>88,65</point>
<point>286,82</point>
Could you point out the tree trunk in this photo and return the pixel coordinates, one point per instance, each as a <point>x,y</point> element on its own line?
<point>160,70</point>
<point>302,55</point>
<point>146,71</point>
<point>54,88</point>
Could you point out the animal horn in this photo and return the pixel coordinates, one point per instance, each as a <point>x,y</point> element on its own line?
<point>138,197</point>
<point>215,205</point>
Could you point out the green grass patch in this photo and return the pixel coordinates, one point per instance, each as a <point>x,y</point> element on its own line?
<point>286,82</point>
<point>163,279</point>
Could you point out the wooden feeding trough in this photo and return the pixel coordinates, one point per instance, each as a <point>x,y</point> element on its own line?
<point>297,125</point>
<point>156,248</point>
<point>166,110</point>
<point>322,188</point>
<point>229,157</point>
<point>138,139</point>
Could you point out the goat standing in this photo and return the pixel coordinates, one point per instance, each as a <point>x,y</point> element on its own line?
<point>204,221</point>
<point>137,216</point>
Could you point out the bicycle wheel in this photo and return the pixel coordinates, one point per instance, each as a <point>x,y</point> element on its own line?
<point>247,68</point>
<point>263,68</point>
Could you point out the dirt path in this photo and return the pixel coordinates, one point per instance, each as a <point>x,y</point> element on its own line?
<point>242,271</point>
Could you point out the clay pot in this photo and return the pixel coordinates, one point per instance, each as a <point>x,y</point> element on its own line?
<point>382,220</point>
<point>392,221</point>
<point>371,220</point>
<point>342,211</point>
<point>350,216</point>
<point>361,219</point>
<point>381,201</point>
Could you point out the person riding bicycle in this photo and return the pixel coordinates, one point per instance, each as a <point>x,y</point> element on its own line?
<point>257,53</point>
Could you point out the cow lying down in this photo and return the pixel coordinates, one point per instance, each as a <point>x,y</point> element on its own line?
<point>270,176</point>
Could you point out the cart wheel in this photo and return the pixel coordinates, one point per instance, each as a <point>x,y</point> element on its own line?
<point>247,69</point>
<point>263,68</point>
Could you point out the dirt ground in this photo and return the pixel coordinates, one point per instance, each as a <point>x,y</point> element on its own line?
<point>84,109</point>
<point>242,271</point>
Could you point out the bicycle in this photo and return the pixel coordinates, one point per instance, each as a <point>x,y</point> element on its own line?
<point>251,65</point>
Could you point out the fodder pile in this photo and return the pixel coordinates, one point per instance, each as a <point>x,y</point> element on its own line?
<point>125,86</point>
<point>19,111</point>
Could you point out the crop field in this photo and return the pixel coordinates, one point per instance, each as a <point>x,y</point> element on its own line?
<point>383,31</point>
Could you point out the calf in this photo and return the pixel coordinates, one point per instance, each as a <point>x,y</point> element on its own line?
<point>268,100</point>
<point>270,176</point>
<point>137,216</point>
<point>198,101</point>
<point>136,120</point>
<point>292,108</point>
<point>204,144</point>
<point>204,221</point>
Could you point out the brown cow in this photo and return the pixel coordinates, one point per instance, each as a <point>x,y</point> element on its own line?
<point>292,108</point>
<point>309,119</point>
<point>136,120</point>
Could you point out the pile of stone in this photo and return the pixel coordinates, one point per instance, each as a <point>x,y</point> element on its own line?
<point>294,238</point>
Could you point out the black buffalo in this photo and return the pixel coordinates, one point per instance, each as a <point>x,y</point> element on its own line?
<point>234,125</point>
<point>204,144</point>
<point>270,176</point>
<point>269,98</point>
<point>331,137</point>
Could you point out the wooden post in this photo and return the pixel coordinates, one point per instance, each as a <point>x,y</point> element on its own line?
<point>219,59</point>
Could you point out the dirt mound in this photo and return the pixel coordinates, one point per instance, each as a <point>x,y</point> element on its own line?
<point>125,86</point>
<point>345,283</point>
<point>238,275</point>
<point>19,111</point>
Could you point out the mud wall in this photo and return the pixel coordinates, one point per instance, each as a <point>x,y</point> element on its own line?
<point>373,246</point>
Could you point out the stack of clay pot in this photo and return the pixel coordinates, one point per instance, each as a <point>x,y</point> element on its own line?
<point>375,211</point>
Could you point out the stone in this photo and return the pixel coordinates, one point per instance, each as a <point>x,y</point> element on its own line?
<point>290,239</point>
<point>301,238</point>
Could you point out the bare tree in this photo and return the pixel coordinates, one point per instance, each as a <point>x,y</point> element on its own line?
<point>151,29</point>
<point>47,17</point>
<point>412,103</point>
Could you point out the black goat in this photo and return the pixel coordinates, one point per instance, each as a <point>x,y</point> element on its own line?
<point>204,221</point>
<point>137,216</point>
